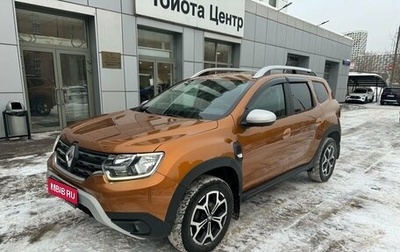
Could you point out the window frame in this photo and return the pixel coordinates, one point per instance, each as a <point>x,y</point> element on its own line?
<point>278,81</point>
<point>216,63</point>
<point>313,103</point>
<point>317,93</point>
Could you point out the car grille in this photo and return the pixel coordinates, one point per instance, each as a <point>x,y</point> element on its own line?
<point>88,161</point>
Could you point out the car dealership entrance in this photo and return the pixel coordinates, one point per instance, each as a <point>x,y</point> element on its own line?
<point>56,69</point>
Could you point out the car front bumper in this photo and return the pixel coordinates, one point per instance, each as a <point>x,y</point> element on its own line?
<point>114,209</point>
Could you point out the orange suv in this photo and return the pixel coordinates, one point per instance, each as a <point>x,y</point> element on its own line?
<point>180,165</point>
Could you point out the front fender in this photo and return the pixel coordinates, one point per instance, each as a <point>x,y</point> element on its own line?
<point>225,168</point>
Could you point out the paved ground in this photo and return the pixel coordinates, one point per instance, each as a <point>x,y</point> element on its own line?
<point>38,145</point>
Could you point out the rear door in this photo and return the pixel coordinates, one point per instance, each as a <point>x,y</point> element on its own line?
<point>306,116</point>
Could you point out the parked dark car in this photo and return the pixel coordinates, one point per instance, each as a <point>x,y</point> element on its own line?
<point>41,95</point>
<point>390,95</point>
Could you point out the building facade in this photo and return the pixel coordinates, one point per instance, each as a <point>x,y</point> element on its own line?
<point>359,42</point>
<point>69,60</point>
<point>374,63</point>
<point>278,4</point>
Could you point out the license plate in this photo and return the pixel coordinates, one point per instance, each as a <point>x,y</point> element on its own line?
<point>391,96</point>
<point>62,191</point>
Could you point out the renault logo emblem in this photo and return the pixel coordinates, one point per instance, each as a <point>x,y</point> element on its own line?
<point>71,156</point>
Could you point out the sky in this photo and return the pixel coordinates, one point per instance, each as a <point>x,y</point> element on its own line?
<point>381,19</point>
<point>358,209</point>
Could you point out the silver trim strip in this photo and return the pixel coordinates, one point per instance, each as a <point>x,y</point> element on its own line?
<point>94,207</point>
<point>265,70</point>
<point>222,70</point>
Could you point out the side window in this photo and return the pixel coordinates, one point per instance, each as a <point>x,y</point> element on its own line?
<point>301,95</point>
<point>320,90</point>
<point>272,99</point>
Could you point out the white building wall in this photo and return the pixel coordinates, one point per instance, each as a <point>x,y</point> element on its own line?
<point>269,36</point>
<point>11,87</point>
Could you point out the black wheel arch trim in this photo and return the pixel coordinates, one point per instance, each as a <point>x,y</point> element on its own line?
<point>336,131</point>
<point>208,167</point>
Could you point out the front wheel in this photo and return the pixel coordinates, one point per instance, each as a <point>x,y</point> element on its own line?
<point>203,216</point>
<point>325,163</point>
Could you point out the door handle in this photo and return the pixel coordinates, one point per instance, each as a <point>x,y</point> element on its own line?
<point>287,133</point>
<point>56,96</point>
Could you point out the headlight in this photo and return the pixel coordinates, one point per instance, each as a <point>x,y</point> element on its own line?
<point>131,166</point>
<point>55,143</point>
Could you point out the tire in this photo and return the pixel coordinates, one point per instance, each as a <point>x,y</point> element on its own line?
<point>325,163</point>
<point>42,107</point>
<point>205,192</point>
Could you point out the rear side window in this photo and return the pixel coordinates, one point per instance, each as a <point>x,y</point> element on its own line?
<point>320,91</point>
<point>301,96</point>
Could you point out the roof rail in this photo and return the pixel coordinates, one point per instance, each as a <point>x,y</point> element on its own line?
<point>285,69</point>
<point>216,70</point>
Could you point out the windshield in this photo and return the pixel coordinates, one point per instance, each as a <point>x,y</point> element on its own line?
<point>202,98</point>
<point>392,90</point>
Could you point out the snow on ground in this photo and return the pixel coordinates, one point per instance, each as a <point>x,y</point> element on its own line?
<point>358,209</point>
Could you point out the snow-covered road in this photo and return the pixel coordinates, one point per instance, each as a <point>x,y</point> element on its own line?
<point>357,210</point>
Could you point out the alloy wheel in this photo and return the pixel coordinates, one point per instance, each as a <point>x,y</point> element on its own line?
<point>208,218</point>
<point>328,160</point>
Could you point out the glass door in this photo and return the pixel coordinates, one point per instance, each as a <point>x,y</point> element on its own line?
<point>154,78</point>
<point>41,86</point>
<point>57,88</point>
<point>146,80</point>
<point>74,87</point>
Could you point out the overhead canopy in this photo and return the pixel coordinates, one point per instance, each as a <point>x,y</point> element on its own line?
<point>365,80</point>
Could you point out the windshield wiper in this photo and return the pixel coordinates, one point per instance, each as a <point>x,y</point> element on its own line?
<point>174,115</point>
<point>146,109</point>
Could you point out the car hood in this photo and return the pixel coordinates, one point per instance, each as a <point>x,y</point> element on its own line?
<point>130,131</point>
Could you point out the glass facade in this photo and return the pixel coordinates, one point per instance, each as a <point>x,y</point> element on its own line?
<point>155,44</point>
<point>49,29</point>
<point>156,62</point>
<point>217,54</point>
<point>56,70</point>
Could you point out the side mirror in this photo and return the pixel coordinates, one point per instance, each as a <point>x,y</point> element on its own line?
<point>259,117</point>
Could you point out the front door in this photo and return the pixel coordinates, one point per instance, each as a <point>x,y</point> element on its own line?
<point>155,77</point>
<point>74,87</point>
<point>57,87</point>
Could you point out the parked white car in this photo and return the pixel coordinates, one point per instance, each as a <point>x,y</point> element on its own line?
<point>361,94</point>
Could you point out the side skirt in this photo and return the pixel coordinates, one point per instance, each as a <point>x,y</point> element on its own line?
<point>248,194</point>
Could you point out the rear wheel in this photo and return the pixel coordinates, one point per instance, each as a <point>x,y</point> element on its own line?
<point>325,163</point>
<point>203,216</point>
